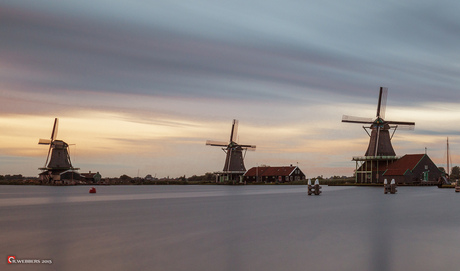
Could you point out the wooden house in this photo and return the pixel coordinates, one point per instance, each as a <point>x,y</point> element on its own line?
<point>269,174</point>
<point>413,169</point>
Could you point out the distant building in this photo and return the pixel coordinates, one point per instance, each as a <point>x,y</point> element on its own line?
<point>149,177</point>
<point>413,169</point>
<point>91,177</point>
<point>274,174</point>
<point>69,177</point>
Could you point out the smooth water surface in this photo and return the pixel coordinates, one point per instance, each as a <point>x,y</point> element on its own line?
<point>229,228</point>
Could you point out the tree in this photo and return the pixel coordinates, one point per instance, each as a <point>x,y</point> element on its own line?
<point>209,176</point>
<point>455,173</point>
<point>125,177</point>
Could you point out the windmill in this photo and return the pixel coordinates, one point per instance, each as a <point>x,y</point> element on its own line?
<point>58,154</point>
<point>380,152</point>
<point>234,161</point>
<point>380,139</point>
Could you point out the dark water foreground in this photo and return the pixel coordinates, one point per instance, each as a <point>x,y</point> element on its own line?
<point>229,228</point>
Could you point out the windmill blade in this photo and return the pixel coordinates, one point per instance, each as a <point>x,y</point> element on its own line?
<point>55,129</point>
<point>248,147</point>
<point>44,141</point>
<point>68,156</point>
<point>233,135</point>
<point>353,119</point>
<point>403,127</point>
<point>400,122</point>
<point>381,107</point>
<point>216,143</point>
<point>48,156</point>
<point>377,141</point>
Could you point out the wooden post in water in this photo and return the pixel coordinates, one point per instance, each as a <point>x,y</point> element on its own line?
<point>313,189</point>
<point>393,189</point>
<point>317,188</point>
<point>309,187</point>
<point>389,188</point>
<point>386,187</point>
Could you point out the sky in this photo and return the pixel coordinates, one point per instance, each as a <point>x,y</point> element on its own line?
<point>139,86</point>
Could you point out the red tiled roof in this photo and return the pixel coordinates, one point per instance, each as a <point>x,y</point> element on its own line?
<point>408,161</point>
<point>270,171</point>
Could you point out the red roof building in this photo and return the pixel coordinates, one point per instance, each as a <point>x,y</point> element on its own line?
<point>413,169</point>
<point>273,174</point>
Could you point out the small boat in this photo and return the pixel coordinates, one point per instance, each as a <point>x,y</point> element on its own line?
<point>92,190</point>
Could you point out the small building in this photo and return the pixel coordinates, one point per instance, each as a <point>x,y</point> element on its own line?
<point>44,176</point>
<point>269,174</point>
<point>229,176</point>
<point>69,177</point>
<point>91,177</point>
<point>369,169</point>
<point>59,177</point>
<point>413,169</point>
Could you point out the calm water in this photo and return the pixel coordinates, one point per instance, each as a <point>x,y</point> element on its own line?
<point>229,228</point>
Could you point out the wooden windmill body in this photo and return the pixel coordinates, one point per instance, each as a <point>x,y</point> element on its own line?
<point>380,152</point>
<point>235,153</point>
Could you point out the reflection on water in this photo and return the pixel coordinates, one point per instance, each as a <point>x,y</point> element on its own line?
<point>15,199</point>
<point>230,228</point>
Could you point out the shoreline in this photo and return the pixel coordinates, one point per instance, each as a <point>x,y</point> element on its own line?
<point>174,182</point>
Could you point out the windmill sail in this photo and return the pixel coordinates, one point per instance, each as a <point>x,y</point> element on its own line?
<point>249,147</point>
<point>44,141</point>
<point>216,143</point>
<point>55,129</point>
<point>353,119</point>
<point>381,107</point>
<point>401,123</point>
<point>403,127</point>
<point>233,134</point>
